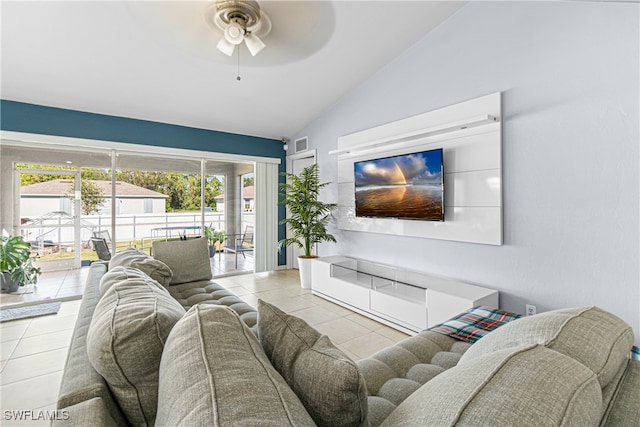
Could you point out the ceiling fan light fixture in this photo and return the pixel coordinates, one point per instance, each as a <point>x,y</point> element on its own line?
<point>235,32</point>
<point>254,44</point>
<point>239,20</point>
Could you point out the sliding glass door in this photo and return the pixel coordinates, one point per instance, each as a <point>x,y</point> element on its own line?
<point>48,212</point>
<point>131,198</point>
<point>55,196</point>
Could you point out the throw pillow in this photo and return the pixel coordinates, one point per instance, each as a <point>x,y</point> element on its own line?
<point>130,325</point>
<point>327,382</point>
<point>136,258</point>
<point>188,259</point>
<point>214,373</point>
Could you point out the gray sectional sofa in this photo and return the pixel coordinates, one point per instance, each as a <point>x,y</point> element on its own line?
<point>157,342</point>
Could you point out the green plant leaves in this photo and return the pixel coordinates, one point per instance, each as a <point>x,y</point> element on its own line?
<point>308,217</point>
<point>15,257</point>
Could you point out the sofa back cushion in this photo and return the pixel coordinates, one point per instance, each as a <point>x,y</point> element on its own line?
<point>136,258</point>
<point>125,341</point>
<point>188,259</point>
<point>117,275</point>
<point>327,382</point>
<point>519,386</point>
<point>597,339</point>
<point>214,373</point>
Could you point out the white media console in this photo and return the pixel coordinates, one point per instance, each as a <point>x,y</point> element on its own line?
<point>405,300</point>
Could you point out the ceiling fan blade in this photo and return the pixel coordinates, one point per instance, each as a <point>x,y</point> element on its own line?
<point>254,44</point>
<point>225,47</point>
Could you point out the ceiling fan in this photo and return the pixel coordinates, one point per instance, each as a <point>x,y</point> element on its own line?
<point>240,21</point>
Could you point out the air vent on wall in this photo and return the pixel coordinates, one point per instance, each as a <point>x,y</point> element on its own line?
<point>301,144</point>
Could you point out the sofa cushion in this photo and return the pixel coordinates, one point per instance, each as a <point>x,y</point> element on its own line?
<point>125,341</point>
<point>136,258</point>
<point>209,292</point>
<point>187,259</point>
<point>327,382</point>
<point>81,382</point>
<point>597,339</point>
<point>214,372</point>
<point>118,274</point>
<point>529,385</point>
<point>393,373</point>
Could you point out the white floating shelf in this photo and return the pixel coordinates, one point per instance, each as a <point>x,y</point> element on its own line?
<point>472,122</point>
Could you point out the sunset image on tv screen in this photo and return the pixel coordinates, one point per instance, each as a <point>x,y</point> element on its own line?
<point>409,186</point>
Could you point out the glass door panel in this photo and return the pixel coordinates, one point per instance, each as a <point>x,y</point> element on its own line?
<point>156,198</point>
<point>49,200</point>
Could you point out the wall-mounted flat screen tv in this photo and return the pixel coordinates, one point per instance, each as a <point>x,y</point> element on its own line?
<point>410,186</point>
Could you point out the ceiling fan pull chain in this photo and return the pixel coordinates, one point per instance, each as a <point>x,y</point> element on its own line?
<point>238,78</point>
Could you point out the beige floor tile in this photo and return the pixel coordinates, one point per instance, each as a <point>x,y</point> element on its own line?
<point>47,324</point>
<point>352,356</point>
<point>12,323</point>
<point>41,343</point>
<point>69,308</point>
<point>274,296</point>
<point>292,304</point>
<point>296,290</point>
<point>32,394</point>
<point>366,345</point>
<point>13,331</point>
<point>7,348</point>
<point>367,322</point>
<point>250,299</point>
<point>338,309</point>
<point>258,287</point>
<point>315,315</point>
<point>32,366</point>
<point>341,330</point>
<point>235,288</point>
<point>392,334</point>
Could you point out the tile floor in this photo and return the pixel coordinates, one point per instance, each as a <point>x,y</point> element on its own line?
<point>52,286</point>
<point>33,351</point>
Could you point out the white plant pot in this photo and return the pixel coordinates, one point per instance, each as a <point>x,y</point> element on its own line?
<point>304,264</point>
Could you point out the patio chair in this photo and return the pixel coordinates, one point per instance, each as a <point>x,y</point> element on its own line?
<point>103,234</point>
<point>239,243</point>
<point>101,248</point>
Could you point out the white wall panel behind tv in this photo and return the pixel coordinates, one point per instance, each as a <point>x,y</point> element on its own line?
<point>472,160</point>
<point>473,188</point>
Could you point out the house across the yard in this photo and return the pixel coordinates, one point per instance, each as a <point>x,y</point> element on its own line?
<point>56,195</point>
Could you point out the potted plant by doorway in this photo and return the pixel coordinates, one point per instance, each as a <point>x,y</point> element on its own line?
<point>16,264</point>
<point>307,217</point>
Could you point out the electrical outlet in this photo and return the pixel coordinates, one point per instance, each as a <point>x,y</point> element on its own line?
<point>530,310</point>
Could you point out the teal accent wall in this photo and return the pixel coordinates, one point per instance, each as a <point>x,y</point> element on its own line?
<point>38,119</point>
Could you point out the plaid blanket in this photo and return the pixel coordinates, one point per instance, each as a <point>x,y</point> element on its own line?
<point>474,323</point>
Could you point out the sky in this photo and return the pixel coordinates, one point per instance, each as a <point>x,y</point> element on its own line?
<point>400,170</point>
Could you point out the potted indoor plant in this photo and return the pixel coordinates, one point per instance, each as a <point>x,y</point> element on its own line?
<point>16,264</point>
<point>215,238</point>
<point>307,217</point>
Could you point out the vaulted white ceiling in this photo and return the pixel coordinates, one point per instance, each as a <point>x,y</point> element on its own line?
<point>158,60</point>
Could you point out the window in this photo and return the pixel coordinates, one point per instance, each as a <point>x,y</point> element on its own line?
<point>148,205</point>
